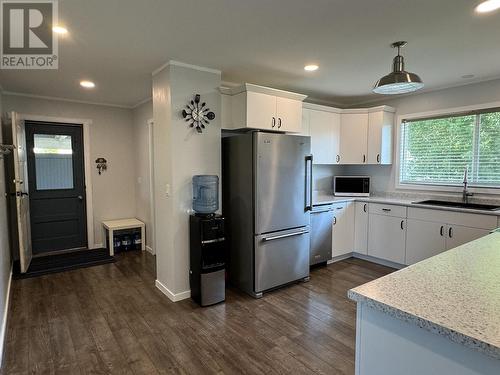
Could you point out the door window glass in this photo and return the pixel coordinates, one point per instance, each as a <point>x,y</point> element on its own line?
<point>53,161</point>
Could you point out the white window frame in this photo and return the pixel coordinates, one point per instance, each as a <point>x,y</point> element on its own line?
<point>437,113</point>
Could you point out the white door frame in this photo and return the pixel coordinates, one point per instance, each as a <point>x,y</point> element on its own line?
<point>152,245</point>
<point>86,123</point>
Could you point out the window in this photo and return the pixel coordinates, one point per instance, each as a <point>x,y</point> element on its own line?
<point>53,162</point>
<point>436,151</point>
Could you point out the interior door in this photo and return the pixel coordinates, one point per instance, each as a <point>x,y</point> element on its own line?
<point>281,181</point>
<point>21,191</point>
<point>57,186</point>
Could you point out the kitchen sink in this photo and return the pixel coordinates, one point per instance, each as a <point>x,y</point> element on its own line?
<point>470,206</point>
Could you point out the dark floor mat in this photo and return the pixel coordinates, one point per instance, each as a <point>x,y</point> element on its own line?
<point>64,262</point>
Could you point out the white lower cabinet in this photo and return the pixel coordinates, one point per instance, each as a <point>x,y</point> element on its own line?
<point>361,228</point>
<point>343,229</point>
<point>430,232</point>
<point>387,237</point>
<point>458,235</point>
<point>424,239</point>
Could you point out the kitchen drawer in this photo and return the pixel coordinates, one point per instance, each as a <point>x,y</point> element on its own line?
<point>387,209</point>
<point>455,218</point>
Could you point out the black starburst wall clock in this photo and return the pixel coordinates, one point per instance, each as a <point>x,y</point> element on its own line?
<point>197,114</point>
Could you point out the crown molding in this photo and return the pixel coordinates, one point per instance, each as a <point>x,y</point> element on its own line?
<point>185,65</point>
<point>55,98</point>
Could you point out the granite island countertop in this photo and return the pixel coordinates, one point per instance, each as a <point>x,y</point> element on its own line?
<point>455,294</point>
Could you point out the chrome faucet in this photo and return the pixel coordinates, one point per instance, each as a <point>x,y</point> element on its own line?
<point>465,192</point>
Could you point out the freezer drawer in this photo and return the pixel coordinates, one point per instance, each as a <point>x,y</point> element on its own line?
<point>321,234</point>
<point>281,257</point>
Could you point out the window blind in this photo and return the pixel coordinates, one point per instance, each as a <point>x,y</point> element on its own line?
<point>436,151</point>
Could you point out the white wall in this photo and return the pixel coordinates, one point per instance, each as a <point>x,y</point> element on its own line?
<point>111,137</point>
<point>384,177</point>
<point>5,260</point>
<point>141,115</point>
<point>179,153</point>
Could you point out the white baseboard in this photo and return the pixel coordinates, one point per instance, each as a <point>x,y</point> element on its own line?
<point>368,258</point>
<point>3,331</point>
<point>150,250</point>
<point>174,297</point>
<point>382,262</point>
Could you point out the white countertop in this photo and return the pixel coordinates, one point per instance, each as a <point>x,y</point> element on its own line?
<point>322,198</point>
<point>455,294</point>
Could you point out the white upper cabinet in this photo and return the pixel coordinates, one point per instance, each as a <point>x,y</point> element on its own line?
<point>349,136</point>
<point>380,123</point>
<point>260,110</point>
<point>258,107</point>
<point>324,129</point>
<point>353,138</point>
<point>306,128</point>
<point>289,115</point>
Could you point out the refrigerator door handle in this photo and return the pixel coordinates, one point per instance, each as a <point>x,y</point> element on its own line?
<point>309,184</point>
<point>285,235</point>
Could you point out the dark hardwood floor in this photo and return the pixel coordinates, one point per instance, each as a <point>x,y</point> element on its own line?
<point>112,319</point>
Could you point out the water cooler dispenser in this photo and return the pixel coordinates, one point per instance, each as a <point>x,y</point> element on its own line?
<point>207,243</point>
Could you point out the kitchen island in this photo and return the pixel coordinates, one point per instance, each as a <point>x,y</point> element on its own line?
<point>438,316</point>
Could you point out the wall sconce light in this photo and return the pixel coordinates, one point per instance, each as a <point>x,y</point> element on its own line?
<point>101,164</point>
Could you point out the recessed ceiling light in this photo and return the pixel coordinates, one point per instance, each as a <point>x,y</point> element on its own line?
<point>311,68</point>
<point>488,6</point>
<point>87,84</point>
<point>59,30</point>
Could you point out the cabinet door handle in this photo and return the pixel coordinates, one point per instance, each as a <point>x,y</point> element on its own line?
<point>279,122</point>
<point>378,158</point>
<point>364,158</point>
<point>334,220</point>
<point>402,224</point>
<point>364,207</point>
<point>340,208</point>
<point>441,230</point>
<point>273,122</point>
<point>338,158</point>
<point>450,232</point>
<point>386,209</point>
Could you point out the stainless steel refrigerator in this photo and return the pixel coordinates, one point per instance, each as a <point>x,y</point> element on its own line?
<point>267,199</point>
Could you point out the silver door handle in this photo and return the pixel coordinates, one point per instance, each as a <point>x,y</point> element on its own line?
<point>285,235</point>
<point>320,211</point>
<point>80,197</point>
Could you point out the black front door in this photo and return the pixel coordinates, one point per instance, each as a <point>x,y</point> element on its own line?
<point>56,186</point>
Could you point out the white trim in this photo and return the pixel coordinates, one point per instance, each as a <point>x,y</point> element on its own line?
<point>185,65</point>
<point>3,331</point>
<point>141,102</point>
<point>86,123</point>
<point>12,93</point>
<point>267,90</point>
<point>319,107</point>
<point>151,185</point>
<point>439,112</point>
<point>150,250</point>
<point>174,297</point>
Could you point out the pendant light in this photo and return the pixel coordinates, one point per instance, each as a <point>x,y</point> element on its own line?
<point>399,81</point>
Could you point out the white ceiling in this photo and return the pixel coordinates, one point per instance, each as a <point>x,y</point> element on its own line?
<point>118,43</point>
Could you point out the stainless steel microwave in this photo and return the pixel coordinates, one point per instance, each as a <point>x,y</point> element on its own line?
<point>351,186</point>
